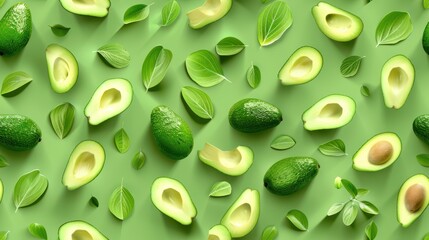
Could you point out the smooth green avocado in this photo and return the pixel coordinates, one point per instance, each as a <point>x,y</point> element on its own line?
<point>413,199</point>
<point>79,230</point>
<point>18,132</point>
<point>15,29</point>
<point>63,68</point>
<point>421,127</point>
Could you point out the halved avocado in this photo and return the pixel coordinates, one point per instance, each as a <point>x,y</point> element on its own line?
<point>378,153</point>
<point>242,216</point>
<point>85,163</point>
<point>397,79</point>
<point>337,24</point>
<point>301,67</point>
<point>172,199</point>
<point>413,199</point>
<point>210,11</point>
<point>79,230</point>
<point>330,112</point>
<point>94,8</point>
<point>1,190</point>
<point>234,162</point>
<point>219,232</point>
<point>62,68</point>
<point>111,98</point>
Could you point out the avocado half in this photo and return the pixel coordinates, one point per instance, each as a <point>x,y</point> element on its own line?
<point>210,11</point>
<point>413,198</point>
<point>219,232</point>
<point>63,68</point>
<point>74,230</point>
<point>98,8</point>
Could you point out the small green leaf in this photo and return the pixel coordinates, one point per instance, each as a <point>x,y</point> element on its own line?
<point>362,192</point>
<point>371,230</point>
<point>423,159</point>
<point>298,219</point>
<point>350,66</point>
<point>349,187</point>
<point>229,46</point>
<point>273,22</point>
<point>15,81</point>
<point>335,208</point>
<point>29,188</point>
<point>270,233</point>
<point>1,5</point>
<point>136,13</point>
<point>114,55</point>
<point>393,28</point>
<point>204,68</point>
<point>221,189</point>
<point>364,90</point>
<point>121,203</point>
<point>253,76</point>
<point>62,118</point>
<point>350,213</point>
<point>38,231</point>
<point>282,142</point>
<point>198,101</point>
<point>334,148</point>
<point>94,201</point>
<point>59,30</point>
<point>265,1</point>
<point>155,66</point>
<point>3,162</point>
<point>368,207</point>
<point>138,160</point>
<point>4,235</point>
<point>425,4</point>
<point>170,12</point>
<point>122,141</point>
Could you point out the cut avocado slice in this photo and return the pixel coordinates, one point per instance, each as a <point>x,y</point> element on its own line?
<point>94,8</point>
<point>378,153</point>
<point>79,230</point>
<point>242,216</point>
<point>210,11</point>
<point>337,24</point>
<point>330,112</point>
<point>234,162</point>
<point>1,190</point>
<point>413,199</point>
<point>219,232</point>
<point>172,199</point>
<point>397,79</point>
<point>111,98</point>
<point>301,67</point>
<point>62,68</point>
<point>85,163</point>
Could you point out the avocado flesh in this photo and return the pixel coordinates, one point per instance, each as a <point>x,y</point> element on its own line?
<point>111,98</point>
<point>330,112</point>
<point>242,216</point>
<point>18,132</point>
<point>171,198</point>
<point>209,12</point>
<point>85,163</point>
<point>397,79</point>
<point>301,67</point>
<point>63,68</point>
<point>337,24</point>
<point>1,190</point>
<point>421,127</point>
<point>15,29</point>
<point>413,198</point>
<point>94,8</point>
<point>219,232</point>
<point>79,230</point>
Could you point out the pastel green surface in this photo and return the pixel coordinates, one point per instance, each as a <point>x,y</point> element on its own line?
<point>87,34</point>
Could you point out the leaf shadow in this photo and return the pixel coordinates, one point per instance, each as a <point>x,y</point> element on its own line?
<point>194,116</point>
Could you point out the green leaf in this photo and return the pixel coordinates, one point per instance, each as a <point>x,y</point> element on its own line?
<point>265,1</point>
<point>138,160</point>
<point>204,68</point>
<point>114,55</point>
<point>122,141</point>
<point>423,159</point>
<point>273,21</point>
<point>393,28</point>
<point>15,81</point>
<point>425,237</point>
<point>350,213</point>
<point>349,187</point>
<point>364,90</point>
<point>199,102</point>
<point>155,66</point>
<point>4,235</point>
<point>62,118</point>
<point>229,46</point>
<point>371,230</point>
<point>3,162</point>
<point>38,231</point>
<point>29,188</point>
<point>282,142</point>
<point>121,202</point>
<point>425,4</point>
<point>335,208</point>
<point>170,12</point>
<point>270,233</point>
<point>350,66</point>
<point>59,30</point>
<point>368,207</point>
<point>136,13</point>
<point>362,192</point>
<point>253,76</point>
<point>298,219</point>
<point>1,5</point>
<point>221,189</point>
<point>94,201</point>
<point>334,148</point>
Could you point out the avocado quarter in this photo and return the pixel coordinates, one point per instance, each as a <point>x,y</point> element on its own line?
<point>18,132</point>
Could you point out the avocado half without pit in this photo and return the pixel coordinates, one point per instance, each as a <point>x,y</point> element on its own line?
<point>63,68</point>
<point>413,198</point>
<point>79,230</point>
<point>219,232</point>
<point>94,8</point>
<point>210,11</point>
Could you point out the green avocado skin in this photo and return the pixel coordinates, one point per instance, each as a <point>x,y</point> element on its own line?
<point>18,133</point>
<point>425,39</point>
<point>421,127</point>
<point>254,115</point>
<point>15,29</point>
<point>172,134</point>
<point>290,175</point>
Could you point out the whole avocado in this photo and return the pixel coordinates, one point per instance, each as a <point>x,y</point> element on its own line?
<point>421,127</point>
<point>15,29</point>
<point>18,133</point>
<point>425,39</point>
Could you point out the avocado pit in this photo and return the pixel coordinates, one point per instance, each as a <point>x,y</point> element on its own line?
<point>415,197</point>
<point>380,152</point>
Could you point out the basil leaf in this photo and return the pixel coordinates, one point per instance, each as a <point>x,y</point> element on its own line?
<point>253,76</point>
<point>273,21</point>
<point>423,159</point>
<point>393,28</point>
<point>350,66</point>
<point>4,235</point>
<point>362,192</point>
<point>199,102</point>
<point>350,213</point>
<point>270,233</point>
<point>138,160</point>
<point>62,118</point>
<point>114,55</point>
<point>94,201</point>
<point>121,203</point>
<point>371,230</point>
<point>364,90</point>
<point>29,188</point>
<point>368,207</point>
<point>122,141</point>
<point>425,4</point>
<point>136,13</point>
<point>335,208</point>
<point>204,68</point>
<point>38,231</point>
<point>170,12</point>
<point>59,30</point>
<point>3,162</point>
<point>15,81</point>
<point>221,189</point>
<point>155,66</point>
<point>229,46</point>
<point>335,148</point>
<point>298,219</point>
<point>349,187</point>
<point>282,142</point>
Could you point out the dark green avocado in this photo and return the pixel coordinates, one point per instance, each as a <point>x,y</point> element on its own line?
<point>15,29</point>
<point>421,127</point>
<point>18,133</point>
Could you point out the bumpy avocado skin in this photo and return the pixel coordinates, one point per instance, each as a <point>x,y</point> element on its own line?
<point>15,29</point>
<point>425,39</point>
<point>18,133</point>
<point>421,127</point>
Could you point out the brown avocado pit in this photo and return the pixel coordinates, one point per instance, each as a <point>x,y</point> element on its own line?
<point>415,197</point>
<point>380,152</point>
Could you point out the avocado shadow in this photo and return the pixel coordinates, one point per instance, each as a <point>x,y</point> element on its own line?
<point>182,230</point>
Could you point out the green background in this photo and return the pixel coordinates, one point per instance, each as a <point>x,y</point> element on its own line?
<point>87,34</point>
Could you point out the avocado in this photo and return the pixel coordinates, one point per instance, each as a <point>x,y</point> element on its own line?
<point>172,134</point>
<point>85,163</point>
<point>425,39</point>
<point>234,162</point>
<point>15,29</point>
<point>254,115</point>
<point>242,216</point>
<point>171,198</point>
<point>302,66</point>
<point>62,68</point>
<point>219,232</point>
<point>1,190</point>
<point>99,8</point>
<point>111,98</point>
<point>378,153</point>
<point>413,199</point>
<point>79,230</point>
<point>290,175</point>
<point>330,112</point>
<point>421,127</point>
<point>210,11</point>
<point>337,24</point>
<point>18,132</point>
<point>397,79</point>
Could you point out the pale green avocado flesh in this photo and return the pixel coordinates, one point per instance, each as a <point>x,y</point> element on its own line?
<point>1,190</point>
<point>93,8</point>
<point>63,68</point>
<point>219,232</point>
<point>79,230</point>
<point>209,12</point>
